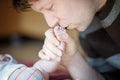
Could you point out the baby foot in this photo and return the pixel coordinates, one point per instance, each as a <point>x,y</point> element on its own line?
<point>59,31</point>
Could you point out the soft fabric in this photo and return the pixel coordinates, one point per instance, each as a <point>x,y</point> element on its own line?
<point>25,73</point>
<point>8,70</point>
<point>11,70</point>
<point>5,63</point>
<point>8,67</point>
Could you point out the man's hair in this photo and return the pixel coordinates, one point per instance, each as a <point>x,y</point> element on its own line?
<point>21,5</point>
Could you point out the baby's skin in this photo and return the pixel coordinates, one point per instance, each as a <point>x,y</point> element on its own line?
<point>58,30</point>
<point>51,65</point>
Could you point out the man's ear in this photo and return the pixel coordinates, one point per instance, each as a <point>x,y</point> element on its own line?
<point>101,4</point>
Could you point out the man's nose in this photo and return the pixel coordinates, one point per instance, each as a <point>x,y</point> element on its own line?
<point>50,17</point>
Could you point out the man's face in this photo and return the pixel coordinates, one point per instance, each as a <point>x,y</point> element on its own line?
<point>70,14</point>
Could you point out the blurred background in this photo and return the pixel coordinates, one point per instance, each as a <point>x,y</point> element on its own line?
<point>22,33</point>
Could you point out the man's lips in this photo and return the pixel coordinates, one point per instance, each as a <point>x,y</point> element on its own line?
<point>67,28</point>
<point>64,27</point>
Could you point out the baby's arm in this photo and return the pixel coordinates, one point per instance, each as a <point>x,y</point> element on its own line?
<point>48,66</point>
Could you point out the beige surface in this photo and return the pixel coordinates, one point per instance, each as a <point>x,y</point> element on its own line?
<point>27,23</point>
<point>25,51</point>
<point>8,19</point>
